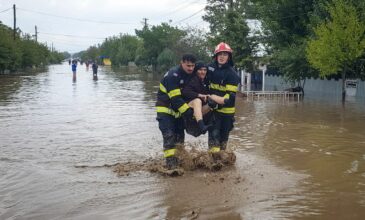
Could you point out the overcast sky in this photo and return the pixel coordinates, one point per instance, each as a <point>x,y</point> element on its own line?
<point>74,25</point>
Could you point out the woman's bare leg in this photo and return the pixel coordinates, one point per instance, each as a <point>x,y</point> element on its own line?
<point>205,109</point>
<point>196,104</point>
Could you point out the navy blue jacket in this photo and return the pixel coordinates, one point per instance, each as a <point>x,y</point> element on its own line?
<point>169,97</point>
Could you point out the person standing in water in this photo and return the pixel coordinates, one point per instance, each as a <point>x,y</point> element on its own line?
<point>223,82</point>
<point>95,70</point>
<point>73,67</point>
<point>172,108</point>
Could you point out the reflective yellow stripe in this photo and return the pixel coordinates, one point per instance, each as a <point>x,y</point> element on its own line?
<point>226,96</point>
<point>231,88</point>
<point>230,110</point>
<point>174,93</point>
<point>162,88</point>
<point>169,153</point>
<point>183,108</point>
<point>214,149</point>
<point>161,109</point>
<point>217,87</point>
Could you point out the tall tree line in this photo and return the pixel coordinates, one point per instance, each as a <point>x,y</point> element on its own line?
<point>300,38</point>
<point>157,46</point>
<point>23,52</point>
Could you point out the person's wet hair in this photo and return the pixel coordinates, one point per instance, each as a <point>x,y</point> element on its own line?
<point>188,57</point>
<point>199,65</point>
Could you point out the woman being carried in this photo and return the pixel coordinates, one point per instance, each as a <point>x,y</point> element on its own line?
<point>196,93</point>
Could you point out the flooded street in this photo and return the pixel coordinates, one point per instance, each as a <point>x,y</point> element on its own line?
<point>295,160</point>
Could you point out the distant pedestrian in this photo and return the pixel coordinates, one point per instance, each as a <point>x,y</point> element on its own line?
<point>95,69</point>
<point>74,66</point>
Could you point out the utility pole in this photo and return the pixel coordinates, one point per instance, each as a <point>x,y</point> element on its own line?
<point>36,34</point>
<point>145,23</point>
<point>230,4</point>
<point>14,10</point>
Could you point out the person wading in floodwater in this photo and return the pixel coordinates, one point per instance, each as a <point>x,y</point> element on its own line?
<point>95,70</point>
<point>223,82</point>
<point>172,108</point>
<point>73,67</point>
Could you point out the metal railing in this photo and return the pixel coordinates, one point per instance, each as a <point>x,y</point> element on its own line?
<point>286,95</point>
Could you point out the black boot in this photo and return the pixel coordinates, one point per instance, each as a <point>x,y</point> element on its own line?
<point>203,128</point>
<point>171,163</point>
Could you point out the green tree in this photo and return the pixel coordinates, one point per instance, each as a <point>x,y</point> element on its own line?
<point>286,25</point>
<point>92,53</point>
<point>155,40</point>
<point>194,42</point>
<point>23,52</point>
<point>292,62</point>
<point>127,49</point>
<point>166,59</point>
<point>109,48</point>
<point>227,22</point>
<point>10,54</point>
<point>121,49</point>
<point>338,41</point>
<point>33,54</point>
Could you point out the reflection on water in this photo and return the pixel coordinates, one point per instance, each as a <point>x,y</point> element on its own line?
<point>295,160</point>
<point>323,140</point>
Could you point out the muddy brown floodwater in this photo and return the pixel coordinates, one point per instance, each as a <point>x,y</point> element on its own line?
<point>92,150</point>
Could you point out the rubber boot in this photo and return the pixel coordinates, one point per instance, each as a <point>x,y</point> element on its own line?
<point>216,161</point>
<point>171,163</point>
<point>203,128</point>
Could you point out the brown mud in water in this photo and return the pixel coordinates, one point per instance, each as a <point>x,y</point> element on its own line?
<point>189,160</point>
<point>294,160</point>
<point>249,187</point>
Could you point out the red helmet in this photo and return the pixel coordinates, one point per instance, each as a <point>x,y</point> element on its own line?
<point>222,47</point>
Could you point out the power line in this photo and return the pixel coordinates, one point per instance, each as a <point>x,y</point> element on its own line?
<point>72,44</point>
<point>179,21</point>
<point>199,22</point>
<point>74,36</point>
<point>5,10</point>
<point>72,18</point>
<point>68,40</point>
<point>180,7</point>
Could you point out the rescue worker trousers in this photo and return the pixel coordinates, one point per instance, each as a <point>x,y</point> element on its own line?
<point>172,130</point>
<point>218,134</point>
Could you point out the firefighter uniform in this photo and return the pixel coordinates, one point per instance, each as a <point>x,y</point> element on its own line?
<point>170,108</point>
<point>223,81</point>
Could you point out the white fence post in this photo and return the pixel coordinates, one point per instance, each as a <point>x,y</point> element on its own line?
<point>248,81</point>
<point>242,80</point>
<point>263,77</point>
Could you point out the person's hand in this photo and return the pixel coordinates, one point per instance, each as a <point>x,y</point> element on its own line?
<point>203,97</point>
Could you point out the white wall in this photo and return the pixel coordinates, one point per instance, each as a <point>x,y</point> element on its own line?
<point>314,86</point>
